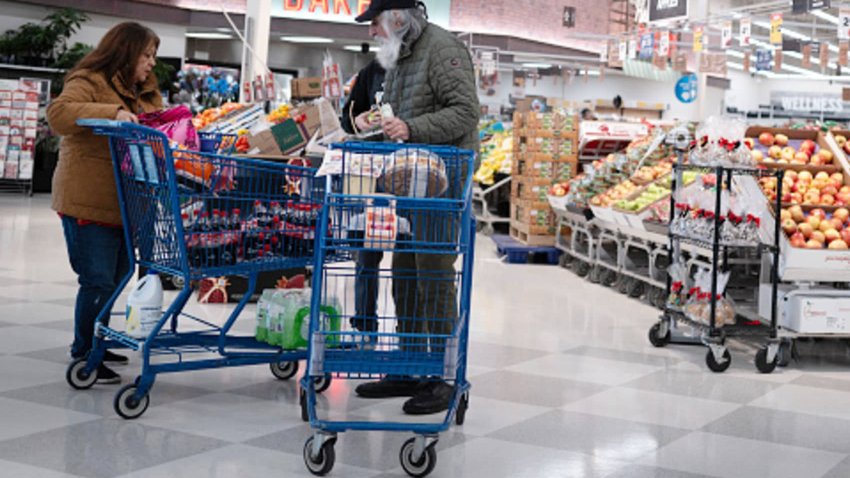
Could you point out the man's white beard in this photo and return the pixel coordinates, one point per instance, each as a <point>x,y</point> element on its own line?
<point>390,49</point>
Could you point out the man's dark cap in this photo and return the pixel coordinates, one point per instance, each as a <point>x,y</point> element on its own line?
<point>379,6</point>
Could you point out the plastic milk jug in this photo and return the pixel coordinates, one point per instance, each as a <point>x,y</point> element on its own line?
<point>144,306</point>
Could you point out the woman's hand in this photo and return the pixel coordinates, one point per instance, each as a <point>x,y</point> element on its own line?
<point>124,115</point>
<point>366,121</point>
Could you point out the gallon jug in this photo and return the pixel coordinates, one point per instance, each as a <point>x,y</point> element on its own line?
<point>144,306</point>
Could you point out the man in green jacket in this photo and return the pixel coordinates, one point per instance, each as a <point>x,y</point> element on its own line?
<point>430,84</point>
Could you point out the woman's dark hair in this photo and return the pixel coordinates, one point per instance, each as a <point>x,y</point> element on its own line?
<point>119,51</point>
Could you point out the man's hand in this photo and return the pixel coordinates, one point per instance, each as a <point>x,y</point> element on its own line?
<point>124,115</point>
<point>396,129</point>
<point>365,122</point>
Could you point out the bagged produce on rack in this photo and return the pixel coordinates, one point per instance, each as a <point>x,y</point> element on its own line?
<point>698,307</point>
<point>679,279</point>
<point>720,142</point>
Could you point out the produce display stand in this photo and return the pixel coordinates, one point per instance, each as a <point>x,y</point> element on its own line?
<point>713,334</point>
<point>481,200</point>
<point>598,139</point>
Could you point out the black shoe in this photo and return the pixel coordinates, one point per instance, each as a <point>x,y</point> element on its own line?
<point>106,376</point>
<point>114,358</point>
<point>434,398</point>
<point>389,387</point>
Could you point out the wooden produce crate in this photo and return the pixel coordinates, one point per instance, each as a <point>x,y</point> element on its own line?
<point>531,165</point>
<point>531,189</point>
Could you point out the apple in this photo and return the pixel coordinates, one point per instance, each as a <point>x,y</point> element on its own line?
<point>797,241</point>
<point>819,213</point>
<point>822,175</point>
<point>842,197</point>
<point>791,174</point>
<point>808,146</point>
<point>842,214</point>
<point>804,176</point>
<point>796,213</point>
<point>837,178</point>
<point>766,139</point>
<point>825,225</point>
<point>826,155</point>
<point>817,160</point>
<point>814,221</point>
<point>750,142</point>
<point>838,244</point>
<point>806,230</point>
<point>832,235</point>
<point>827,200</point>
<point>785,214</point>
<point>788,153</point>
<point>757,156</point>
<point>789,226</point>
<point>774,152</point>
<point>840,140</point>
<point>845,235</point>
<point>813,244</point>
<point>769,160</point>
<point>781,140</point>
<point>846,147</point>
<point>812,196</point>
<point>830,189</point>
<point>844,189</point>
<point>796,198</point>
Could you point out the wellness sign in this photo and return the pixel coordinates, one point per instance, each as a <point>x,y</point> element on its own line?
<point>344,11</point>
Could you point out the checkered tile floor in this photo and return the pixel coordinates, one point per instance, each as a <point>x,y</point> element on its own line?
<point>564,385</point>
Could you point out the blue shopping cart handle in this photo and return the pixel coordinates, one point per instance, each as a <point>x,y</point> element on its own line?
<point>124,129</point>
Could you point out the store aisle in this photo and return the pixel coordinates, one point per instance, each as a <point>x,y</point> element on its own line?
<point>564,382</point>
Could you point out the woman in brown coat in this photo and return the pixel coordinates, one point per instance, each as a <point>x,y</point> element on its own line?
<point>112,82</point>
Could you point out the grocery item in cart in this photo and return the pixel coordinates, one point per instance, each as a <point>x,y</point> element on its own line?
<point>698,307</point>
<point>414,173</point>
<point>144,306</point>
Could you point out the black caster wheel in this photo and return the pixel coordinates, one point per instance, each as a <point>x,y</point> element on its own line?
<point>421,467</point>
<point>582,268</point>
<point>178,282</point>
<point>284,370</point>
<point>624,284</point>
<point>77,376</point>
<point>718,367</point>
<point>302,400</point>
<point>462,406</point>
<point>322,383</point>
<point>636,289</point>
<point>127,405</point>
<point>565,260</point>
<point>609,278</point>
<point>762,364</point>
<point>593,275</point>
<point>655,338</point>
<point>660,299</point>
<point>322,463</point>
<point>783,358</point>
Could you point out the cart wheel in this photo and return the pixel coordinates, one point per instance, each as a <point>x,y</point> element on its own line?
<point>322,383</point>
<point>424,465</point>
<point>718,367</point>
<point>761,361</point>
<point>636,289</point>
<point>284,370</point>
<point>127,405</point>
<point>609,278</point>
<point>302,400</point>
<point>655,338</point>
<point>582,268</point>
<point>77,376</point>
<point>323,463</point>
<point>462,406</point>
<point>783,358</point>
<point>624,284</point>
<point>178,282</point>
<point>660,298</point>
<point>595,275</point>
<point>565,261</point>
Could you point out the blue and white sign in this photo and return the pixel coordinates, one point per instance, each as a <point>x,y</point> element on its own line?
<point>686,88</point>
<point>763,59</point>
<point>646,46</point>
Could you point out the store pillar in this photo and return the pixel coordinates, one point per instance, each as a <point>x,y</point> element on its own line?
<point>257,29</point>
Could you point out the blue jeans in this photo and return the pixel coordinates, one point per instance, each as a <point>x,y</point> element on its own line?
<point>366,290</point>
<point>98,256</point>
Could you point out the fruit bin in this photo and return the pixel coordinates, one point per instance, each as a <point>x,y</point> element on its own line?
<point>795,138</point>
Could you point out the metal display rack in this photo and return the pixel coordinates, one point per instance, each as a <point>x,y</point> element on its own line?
<point>485,219</point>
<point>712,334</point>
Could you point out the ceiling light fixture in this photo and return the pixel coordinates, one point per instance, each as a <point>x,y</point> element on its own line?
<point>209,35</point>
<point>358,48</point>
<point>307,39</point>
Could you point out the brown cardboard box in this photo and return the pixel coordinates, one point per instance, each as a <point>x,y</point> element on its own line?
<point>310,87</point>
<point>285,138</point>
<point>312,120</point>
<point>532,189</point>
<point>529,166</point>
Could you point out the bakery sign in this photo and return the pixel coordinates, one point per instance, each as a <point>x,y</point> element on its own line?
<point>667,9</point>
<point>801,102</point>
<point>344,11</point>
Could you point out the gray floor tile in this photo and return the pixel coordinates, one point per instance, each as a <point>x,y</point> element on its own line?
<point>66,324</point>
<point>623,355</point>
<point>284,391</point>
<point>532,389</point>
<point>4,324</point>
<point>59,355</point>
<point>823,382</point>
<point>104,448</point>
<point>69,301</point>
<point>642,471</point>
<point>98,400</point>
<point>703,384</point>
<point>842,470</point>
<point>607,438</point>
<point>787,428</point>
<point>10,281</point>
<point>498,356</point>
<point>373,450</point>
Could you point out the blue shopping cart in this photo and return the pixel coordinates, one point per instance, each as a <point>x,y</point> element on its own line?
<point>414,202</point>
<point>199,215</point>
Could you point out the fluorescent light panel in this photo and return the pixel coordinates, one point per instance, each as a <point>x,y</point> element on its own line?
<point>210,36</point>
<point>372,49</point>
<point>307,39</point>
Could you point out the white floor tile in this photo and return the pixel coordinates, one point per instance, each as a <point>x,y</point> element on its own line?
<point>21,339</point>
<point>24,418</point>
<point>21,372</point>
<point>19,470</point>
<point>585,369</point>
<point>33,313</point>
<point>816,401</point>
<point>40,291</point>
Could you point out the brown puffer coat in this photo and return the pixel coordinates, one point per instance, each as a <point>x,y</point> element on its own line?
<point>84,184</point>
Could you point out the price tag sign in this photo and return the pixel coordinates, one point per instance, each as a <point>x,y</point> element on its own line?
<point>844,24</point>
<point>698,33</point>
<point>623,50</point>
<point>664,44</point>
<point>745,31</point>
<point>726,35</point>
<point>776,28</point>
<point>633,47</point>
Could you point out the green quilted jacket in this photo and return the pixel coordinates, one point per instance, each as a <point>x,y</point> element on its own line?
<point>433,90</point>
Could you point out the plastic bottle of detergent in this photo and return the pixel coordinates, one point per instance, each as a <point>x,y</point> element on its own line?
<point>263,309</point>
<point>144,306</point>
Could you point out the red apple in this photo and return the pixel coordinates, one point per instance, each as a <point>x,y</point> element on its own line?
<point>817,160</point>
<point>826,155</point>
<point>757,156</point>
<point>750,142</point>
<point>813,244</point>
<point>796,198</point>
<point>837,178</point>
<point>832,235</point>
<point>836,223</point>
<point>788,153</point>
<point>846,147</point>
<point>827,200</point>
<point>781,140</point>
<point>804,176</point>
<point>813,221</point>
<point>766,139</point>
<point>838,244</point>
<point>825,225</point>
<point>797,213</point>
<point>845,235</point>
<point>806,230</point>
<point>820,213</point>
<point>830,189</point>
<point>774,152</point>
<point>808,146</point>
<point>842,214</point>
<point>789,226</point>
<point>818,236</point>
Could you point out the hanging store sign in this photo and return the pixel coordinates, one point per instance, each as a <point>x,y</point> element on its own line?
<point>746,61</point>
<point>806,61</point>
<point>726,35</point>
<point>633,47</point>
<point>569,17</point>
<point>344,11</point>
<point>664,44</point>
<point>777,60</point>
<point>686,88</point>
<point>667,9</point>
<point>614,58</point>
<point>698,38</point>
<point>647,42</point>
<point>745,31</point>
<point>824,57</point>
<point>804,6</point>
<point>623,49</point>
<point>844,24</point>
<point>776,28</point>
<point>763,59</point>
<point>804,102</point>
<point>713,64</point>
<point>842,53</point>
